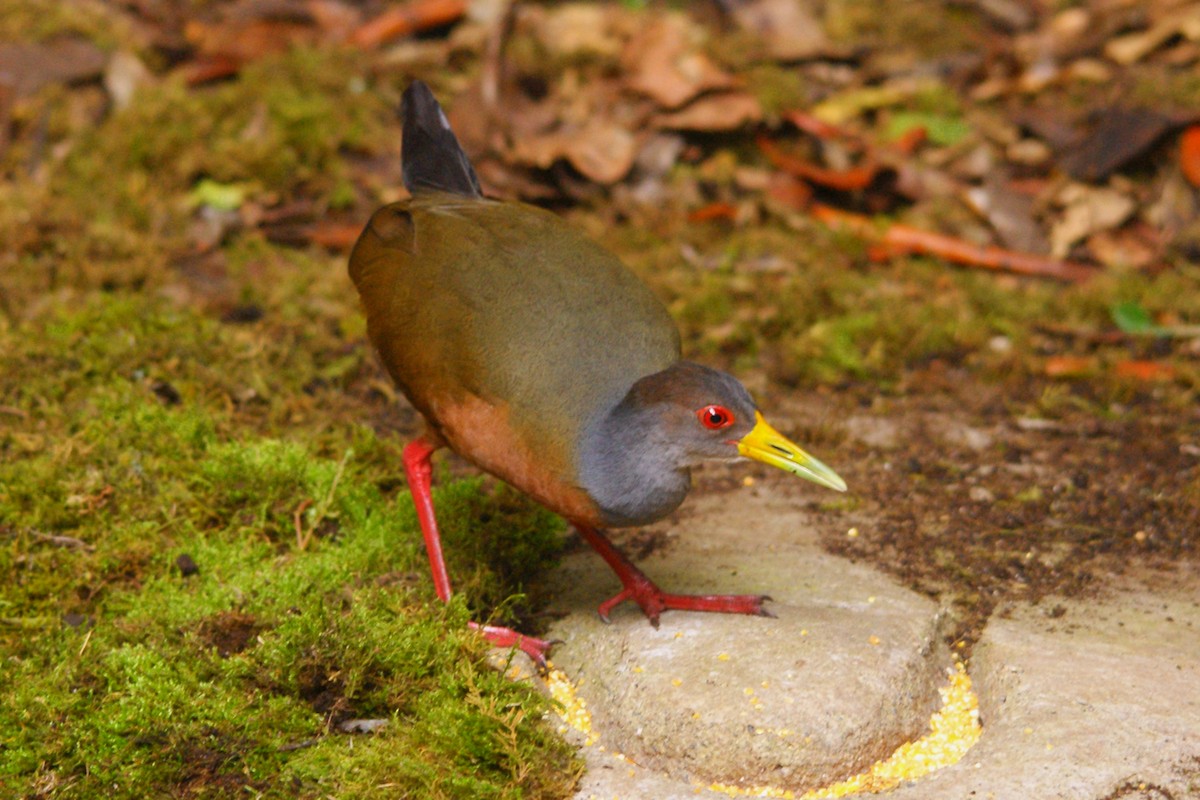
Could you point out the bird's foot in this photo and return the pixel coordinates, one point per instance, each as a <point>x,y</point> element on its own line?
<point>653,601</point>
<point>506,637</point>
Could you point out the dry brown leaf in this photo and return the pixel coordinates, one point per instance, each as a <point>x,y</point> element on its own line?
<point>29,67</point>
<point>1010,213</point>
<point>600,151</point>
<point>537,151</point>
<point>1176,208</point>
<point>720,112</point>
<point>1129,49</point>
<point>790,29</point>
<point>244,41</point>
<point>1088,211</point>
<point>1122,135</point>
<point>248,30</point>
<point>338,20</point>
<point>665,63</point>
<point>1127,249</point>
<point>574,28</point>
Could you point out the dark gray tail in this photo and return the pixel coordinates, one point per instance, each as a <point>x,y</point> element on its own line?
<point>432,158</point>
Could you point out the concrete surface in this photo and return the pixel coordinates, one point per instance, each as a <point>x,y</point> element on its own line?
<point>1095,699</point>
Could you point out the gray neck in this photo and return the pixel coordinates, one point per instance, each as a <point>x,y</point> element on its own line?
<point>631,468</point>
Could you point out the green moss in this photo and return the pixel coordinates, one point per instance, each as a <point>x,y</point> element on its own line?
<point>777,88</point>
<point>125,678</point>
<point>42,20</point>
<point>1165,87</point>
<point>926,27</point>
<point>116,208</point>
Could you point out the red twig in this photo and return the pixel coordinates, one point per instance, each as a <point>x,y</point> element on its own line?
<point>207,69</point>
<point>859,177</point>
<point>713,211</point>
<point>897,239</point>
<point>410,18</point>
<point>337,236</point>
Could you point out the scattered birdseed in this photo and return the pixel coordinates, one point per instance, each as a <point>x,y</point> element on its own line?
<point>873,639</point>
<point>572,708</point>
<point>676,682</point>
<point>722,656</point>
<point>953,731</point>
<point>852,533</point>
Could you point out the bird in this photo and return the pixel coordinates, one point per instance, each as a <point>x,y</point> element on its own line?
<point>539,357</point>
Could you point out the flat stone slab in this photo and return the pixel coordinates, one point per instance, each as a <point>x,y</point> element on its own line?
<point>848,669</point>
<point>1088,699</point>
<point>1092,699</point>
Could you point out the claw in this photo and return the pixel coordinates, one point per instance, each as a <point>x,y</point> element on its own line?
<point>531,646</point>
<point>652,600</point>
<point>612,602</point>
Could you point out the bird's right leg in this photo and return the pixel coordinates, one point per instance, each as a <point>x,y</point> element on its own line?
<point>418,466</point>
<point>653,600</point>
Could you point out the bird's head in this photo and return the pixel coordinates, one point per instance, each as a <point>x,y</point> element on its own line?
<point>707,414</point>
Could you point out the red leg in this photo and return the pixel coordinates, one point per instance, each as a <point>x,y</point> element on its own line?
<point>419,468</point>
<point>418,465</point>
<point>653,600</point>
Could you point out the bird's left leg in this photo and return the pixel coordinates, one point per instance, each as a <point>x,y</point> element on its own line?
<point>653,601</point>
<point>418,466</point>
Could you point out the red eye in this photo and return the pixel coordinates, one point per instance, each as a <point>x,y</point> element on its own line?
<point>715,417</point>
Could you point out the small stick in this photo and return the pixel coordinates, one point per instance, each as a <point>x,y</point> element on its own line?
<point>62,541</point>
<point>859,177</point>
<point>410,18</point>
<point>897,239</point>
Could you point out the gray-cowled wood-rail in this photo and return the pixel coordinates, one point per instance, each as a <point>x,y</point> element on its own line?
<point>538,356</point>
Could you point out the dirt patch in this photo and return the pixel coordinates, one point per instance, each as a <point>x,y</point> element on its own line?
<point>970,496</point>
<point>230,632</point>
<point>213,768</point>
<point>324,691</point>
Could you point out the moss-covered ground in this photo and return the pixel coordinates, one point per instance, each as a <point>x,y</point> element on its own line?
<point>208,558</point>
<point>194,599</point>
